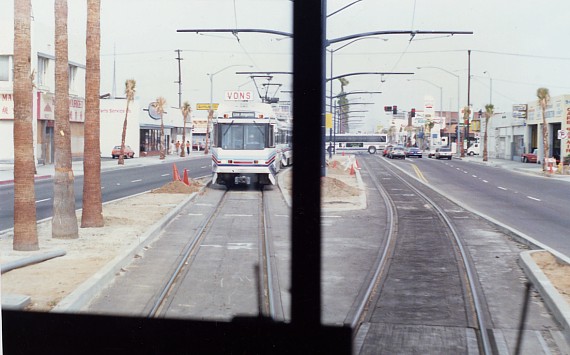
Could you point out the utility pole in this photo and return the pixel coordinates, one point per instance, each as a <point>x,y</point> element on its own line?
<point>179,82</point>
<point>468,102</point>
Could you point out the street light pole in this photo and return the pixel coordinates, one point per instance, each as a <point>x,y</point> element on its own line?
<point>210,108</point>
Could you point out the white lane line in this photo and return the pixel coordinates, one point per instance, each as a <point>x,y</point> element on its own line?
<point>485,181</point>
<point>534,198</point>
<point>331,216</point>
<point>165,175</point>
<point>282,215</point>
<point>195,214</point>
<point>502,188</point>
<point>45,199</point>
<point>137,180</point>
<point>474,176</point>
<point>238,215</point>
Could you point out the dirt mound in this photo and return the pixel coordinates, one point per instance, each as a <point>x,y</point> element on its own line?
<point>178,187</point>
<point>332,187</point>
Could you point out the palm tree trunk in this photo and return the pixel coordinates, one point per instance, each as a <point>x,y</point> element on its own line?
<point>162,139</point>
<point>92,213</point>
<point>124,136</point>
<point>485,153</point>
<point>183,151</point>
<point>64,222</point>
<point>546,149</point>
<point>25,227</point>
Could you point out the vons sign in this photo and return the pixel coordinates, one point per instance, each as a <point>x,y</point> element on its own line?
<point>238,96</point>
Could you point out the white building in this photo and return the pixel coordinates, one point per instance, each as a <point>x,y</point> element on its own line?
<point>43,66</point>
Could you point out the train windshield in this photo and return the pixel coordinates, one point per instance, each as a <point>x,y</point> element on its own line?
<point>243,136</point>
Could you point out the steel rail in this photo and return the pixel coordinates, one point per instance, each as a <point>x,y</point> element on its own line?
<point>153,313</point>
<point>485,342</point>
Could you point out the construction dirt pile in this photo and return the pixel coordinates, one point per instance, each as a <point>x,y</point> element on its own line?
<point>178,187</point>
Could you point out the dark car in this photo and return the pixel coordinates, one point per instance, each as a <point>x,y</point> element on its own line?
<point>443,153</point>
<point>413,152</point>
<point>397,153</point>
<point>128,153</point>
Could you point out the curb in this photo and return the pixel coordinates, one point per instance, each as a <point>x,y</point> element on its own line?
<point>553,299</point>
<point>81,296</point>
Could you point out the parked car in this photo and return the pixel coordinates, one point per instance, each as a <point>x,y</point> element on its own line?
<point>128,153</point>
<point>443,153</point>
<point>413,152</point>
<point>397,153</point>
<point>387,150</point>
<point>530,157</point>
<point>198,145</point>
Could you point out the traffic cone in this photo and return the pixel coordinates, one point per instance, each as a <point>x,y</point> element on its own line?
<point>352,172</point>
<point>356,164</point>
<point>185,179</point>
<point>175,175</point>
<point>343,154</point>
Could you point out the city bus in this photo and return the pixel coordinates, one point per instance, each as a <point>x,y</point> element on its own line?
<point>355,143</point>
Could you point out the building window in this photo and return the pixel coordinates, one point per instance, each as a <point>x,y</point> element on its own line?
<point>72,72</point>
<point>43,65</point>
<point>5,68</point>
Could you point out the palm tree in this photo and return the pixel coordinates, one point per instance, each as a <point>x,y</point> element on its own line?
<point>466,115</point>
<point>25,227</point>
<point>343,105</point>
<point>159,105</point>
<point>428,126</point>
<point>130,94</point>
<point>186,110</point>
<point>543,95</point>
<point>92,213</point>
<point>64,221</point>
<point>489,111</point>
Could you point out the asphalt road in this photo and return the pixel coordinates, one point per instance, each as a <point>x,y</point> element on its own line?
<point>533,205</point>
<point>115,184</point>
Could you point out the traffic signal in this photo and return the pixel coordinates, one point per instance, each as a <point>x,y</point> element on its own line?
<point>413,114</point>
<point>394,110</point>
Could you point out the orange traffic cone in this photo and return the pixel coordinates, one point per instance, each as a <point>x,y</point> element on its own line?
<point>175,175</point>
<point>185,179</point>
<point>352,172</point>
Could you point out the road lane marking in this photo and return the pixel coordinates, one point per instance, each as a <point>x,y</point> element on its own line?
<point>534,198</point>
<point>137,180</point>
<point>282,215</point>
<point>165,175</point>
<point>419,173</point>
<point>45,199</point>
<point>195,214</point>
<point>485,181</point>
<point>502,188</point>
<point>237,215</point>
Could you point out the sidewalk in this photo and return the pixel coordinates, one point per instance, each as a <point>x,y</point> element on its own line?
<point>47,171</point>
<point>526,168</point>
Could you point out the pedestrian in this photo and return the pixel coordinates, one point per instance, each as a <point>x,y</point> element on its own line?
<point>188,147</point>
<point>177,146</point>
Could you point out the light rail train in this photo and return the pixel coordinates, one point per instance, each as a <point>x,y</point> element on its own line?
<point>244,148</point>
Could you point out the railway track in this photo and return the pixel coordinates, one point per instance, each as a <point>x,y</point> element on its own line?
<point>213,262</point>
<point>425,297</point>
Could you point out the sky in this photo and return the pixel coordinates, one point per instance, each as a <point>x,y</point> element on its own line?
<point>516,47</point>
